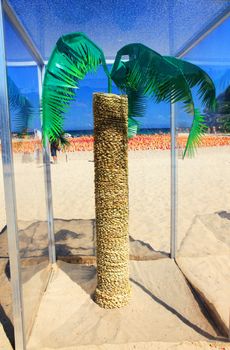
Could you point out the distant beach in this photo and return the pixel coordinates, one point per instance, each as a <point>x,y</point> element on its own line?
<point>157,141</point>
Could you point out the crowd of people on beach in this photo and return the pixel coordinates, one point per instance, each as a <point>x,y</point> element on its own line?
<point>33,145</point>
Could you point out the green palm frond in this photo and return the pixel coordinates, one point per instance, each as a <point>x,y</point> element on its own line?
<point>136,102</point>
<point>195,76</point>
<point>136,98</point>
<point>21,105</point>
<point>164,79</point>
<point>72,58</point>
<point>148,71</point>
<point>133,127</point>
<point>136,108</point>
<point>197,131</point>
<point>135,72</point>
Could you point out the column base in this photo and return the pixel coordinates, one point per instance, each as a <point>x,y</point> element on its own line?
<point>112,301</point>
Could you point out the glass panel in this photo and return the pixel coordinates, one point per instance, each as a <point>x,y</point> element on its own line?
<point>29,182</point>
<point>202,181</point>
<point>155,283</point>
<point>192,17</point>
<point>203,191</point>
<point>16,51</point>
<point>6,314</point>
<point>147,21</point>
<point>149,178</point>
<point>97,22</point>
<point>73,176</point>
<point>2,202</point>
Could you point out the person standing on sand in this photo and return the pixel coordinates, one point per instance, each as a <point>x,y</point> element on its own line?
<point>54,147</point>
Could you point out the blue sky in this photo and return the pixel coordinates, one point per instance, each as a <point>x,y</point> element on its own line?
<point>212,54</point>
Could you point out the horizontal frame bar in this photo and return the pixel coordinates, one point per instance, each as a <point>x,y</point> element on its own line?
<point>203,33</point>
<point>21,64</point>
<point>14,20</point>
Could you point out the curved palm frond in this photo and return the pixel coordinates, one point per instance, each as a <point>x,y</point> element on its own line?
<point>164,79</point>
<point>133,126</point>
<point>73,57</point>
<point>197,131</point>
<point>136,108</point>
<point>149,71</point>
<point>136,98</point>
<point>22,106</point>
<point>196,76</point>
<point>136,102</point>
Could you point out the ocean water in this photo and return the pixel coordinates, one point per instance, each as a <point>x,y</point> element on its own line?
<point>146,131</point>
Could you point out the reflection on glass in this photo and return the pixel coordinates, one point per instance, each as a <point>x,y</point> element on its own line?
<point>6,314</point>
<point>203,191</point>
<point>29,179</point>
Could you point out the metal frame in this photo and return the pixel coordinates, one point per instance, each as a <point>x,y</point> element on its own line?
<point>21,64</point>
<point>18,26</point>
<point>48,182</point>
<point>203,33</point>
<point>8,170</point>
<point>173,216</point>
<point>182,52</point>
<point>10,197</point>
<point>173,154</point>
<point>8,174</point>
<point>23,34</point>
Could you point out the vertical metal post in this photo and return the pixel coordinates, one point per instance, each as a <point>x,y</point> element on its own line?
<point>10,197</point>
<point>173,221</point>
<point>48,183</point>
<point>173,237</point>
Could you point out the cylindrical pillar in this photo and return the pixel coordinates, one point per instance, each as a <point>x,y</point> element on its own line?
<point>111,199</point>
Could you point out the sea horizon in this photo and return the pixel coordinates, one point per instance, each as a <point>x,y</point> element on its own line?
<point>142,131</point>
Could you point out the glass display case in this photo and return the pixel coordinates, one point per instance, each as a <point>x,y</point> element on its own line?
<point>177,208</point>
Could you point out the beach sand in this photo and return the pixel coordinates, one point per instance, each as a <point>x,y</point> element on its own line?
<point>203,188</point>
<point>203,216</point>
<point>162,308</point>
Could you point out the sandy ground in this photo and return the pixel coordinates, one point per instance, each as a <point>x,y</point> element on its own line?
<point>154,346</point>
<point>162,307</point>
<point>203,191</point>
<point>203,188</point>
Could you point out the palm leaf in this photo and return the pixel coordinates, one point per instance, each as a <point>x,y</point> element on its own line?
<point>133,127</point>
<point>73,57</point>
<point>136,108</point>
<point>149,71</point>
<point>164,79</point>
<point>21,105</point>
<point>197,130</point>
<point>136,97</point>
<point>195,76</point>
<point>136,102</point>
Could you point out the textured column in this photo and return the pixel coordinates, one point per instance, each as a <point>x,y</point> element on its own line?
<point>111,197</point>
